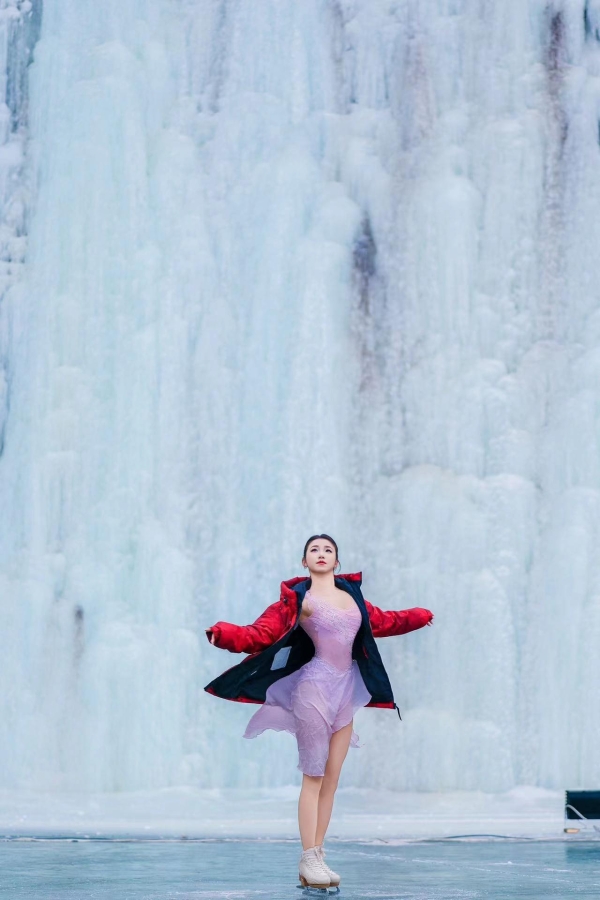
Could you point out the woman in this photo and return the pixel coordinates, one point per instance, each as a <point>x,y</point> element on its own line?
<point>313,662</point>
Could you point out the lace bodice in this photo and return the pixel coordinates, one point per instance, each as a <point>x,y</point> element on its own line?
<point>332,631</point>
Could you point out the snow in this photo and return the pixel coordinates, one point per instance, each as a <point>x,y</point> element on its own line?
<point>271,814</point>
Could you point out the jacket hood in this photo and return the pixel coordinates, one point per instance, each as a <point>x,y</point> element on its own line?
<point>287,587</point>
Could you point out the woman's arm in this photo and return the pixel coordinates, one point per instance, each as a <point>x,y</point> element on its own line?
<point>389,622</point>
<point>264,631</point>
<point>307,609</point>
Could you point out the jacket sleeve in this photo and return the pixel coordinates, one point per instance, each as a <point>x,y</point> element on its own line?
<point>268,628</point>
<point>389,622</point>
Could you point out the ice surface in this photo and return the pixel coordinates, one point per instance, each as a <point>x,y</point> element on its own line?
<point>250,870</point>
<point>275,268</point>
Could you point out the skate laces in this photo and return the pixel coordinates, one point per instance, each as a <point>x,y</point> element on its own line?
<point>321,851</point>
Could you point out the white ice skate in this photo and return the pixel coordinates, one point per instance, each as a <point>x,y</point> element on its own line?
<point>334,878</point>
<point>312,872</point>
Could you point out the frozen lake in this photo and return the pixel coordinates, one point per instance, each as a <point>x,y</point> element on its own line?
<point>423,870</point>
<point>189,843</point>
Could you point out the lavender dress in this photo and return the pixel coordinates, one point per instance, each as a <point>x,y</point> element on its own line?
<point>323,695</point>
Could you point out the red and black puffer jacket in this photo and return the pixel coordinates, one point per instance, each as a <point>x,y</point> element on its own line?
<point>277,646</point>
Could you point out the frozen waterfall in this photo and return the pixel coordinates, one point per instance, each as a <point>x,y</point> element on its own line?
<point>271,268</point>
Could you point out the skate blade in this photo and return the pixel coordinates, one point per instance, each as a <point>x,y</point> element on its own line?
<point>319,892</point>
<point>313,891</point>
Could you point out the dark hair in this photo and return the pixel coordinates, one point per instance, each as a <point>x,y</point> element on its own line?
<point>327,538</point>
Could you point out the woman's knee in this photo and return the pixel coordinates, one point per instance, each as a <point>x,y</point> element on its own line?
<point>312,783</point>
<point>329,783</point>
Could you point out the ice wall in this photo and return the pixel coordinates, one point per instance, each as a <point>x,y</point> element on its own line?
<point>283,267</point>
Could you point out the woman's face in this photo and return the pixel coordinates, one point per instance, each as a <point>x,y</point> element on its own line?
<point>320,556</point>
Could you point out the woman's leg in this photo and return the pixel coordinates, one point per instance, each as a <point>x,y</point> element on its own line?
<point>313,736</point>
<point>338,748</point>
<point>307,809</point>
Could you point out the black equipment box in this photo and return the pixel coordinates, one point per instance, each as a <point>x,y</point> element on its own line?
<point>582,804</point>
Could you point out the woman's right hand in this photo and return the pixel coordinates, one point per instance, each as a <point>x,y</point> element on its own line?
<point>211,636</point>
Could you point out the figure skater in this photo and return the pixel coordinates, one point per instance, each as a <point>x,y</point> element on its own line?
<point>313,662</point>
